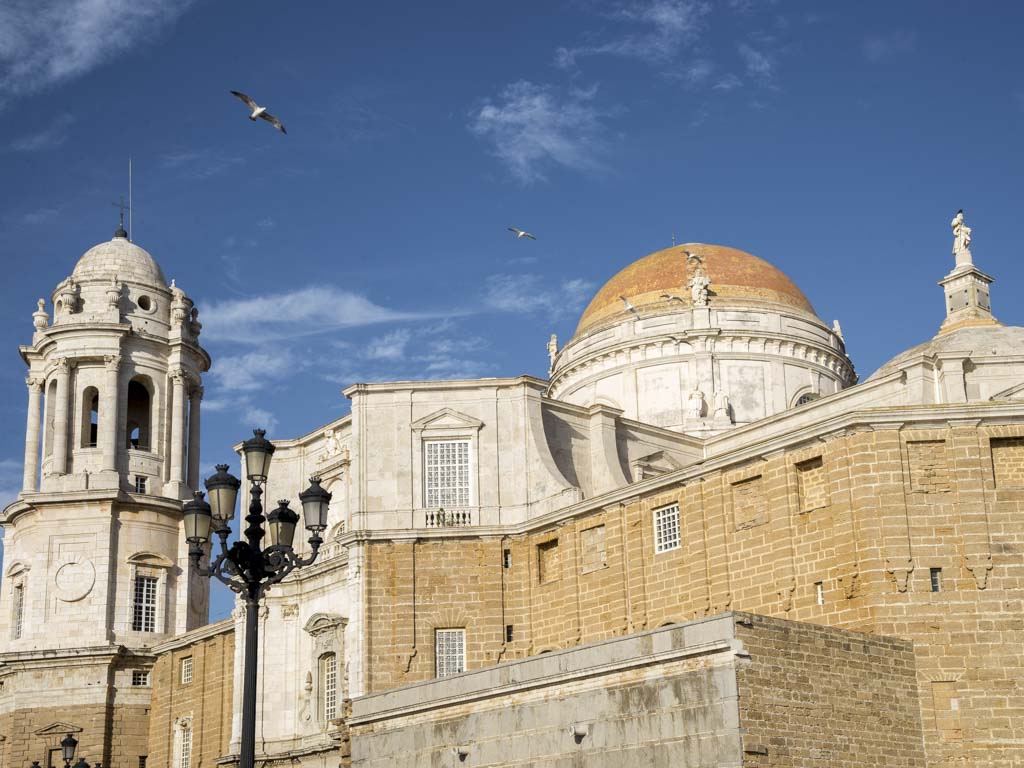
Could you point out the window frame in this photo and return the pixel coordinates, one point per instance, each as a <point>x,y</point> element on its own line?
<point>186,670</point>
<point>18,609</point>
<point>141,622</point>
<point>327,671</point>
<point>140,674</point>
<point>441,667</point>
<point>662,543</point>
<point>437,503</point>
<point>445,425</point>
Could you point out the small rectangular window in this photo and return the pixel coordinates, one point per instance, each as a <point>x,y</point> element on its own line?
<point>666,529</point>
<point>18,622</point>
<point>186,670</point>
<point>142,761</point>
<point>936,579</point>
<point>140,678</point>
<point>144,604</point>
<point>508,633</point>
<point>140,484</point>
<point>506,558</point>
<point>819,592</point>
<point>450,651</point>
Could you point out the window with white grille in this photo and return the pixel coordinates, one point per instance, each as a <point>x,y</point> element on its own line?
<point>18,618</point>
<point>140,678</point>
<point>144,604</point>
<point>666,528</point>
<point>185,745</point>
<point>186,670</point>
<point>450,651</point>
<point>329,686</point>
<point>447,473</point>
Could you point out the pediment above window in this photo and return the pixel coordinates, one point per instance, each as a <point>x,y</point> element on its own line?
<point>150,560</point>
<point>324,622</point>
<point>447,419</point>
<point>16,568</point>
<point>653,464</point>
<point>1016,392</point>
<point>58,729</point>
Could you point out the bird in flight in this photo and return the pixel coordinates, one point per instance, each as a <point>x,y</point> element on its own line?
<point>630,307</point>
<point>670,297</point>
<point>259,112</point>
<point>520,234</point>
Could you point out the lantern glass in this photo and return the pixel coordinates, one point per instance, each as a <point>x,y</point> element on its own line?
<point>315,503</point>
<point>281,523</point>
<point>197,519</point>
<point>223,490</point>
<point>67,748</point>
<point>258,451</point>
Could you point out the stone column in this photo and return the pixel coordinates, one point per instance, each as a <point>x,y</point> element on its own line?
<point>178,427</point>
<point>109,413</point>
<point>195,397</point>
<point>60,417</point>
<point>31,477</point>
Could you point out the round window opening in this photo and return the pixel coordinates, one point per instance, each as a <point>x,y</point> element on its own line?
<point>145,304</point>
<point>810,397</point>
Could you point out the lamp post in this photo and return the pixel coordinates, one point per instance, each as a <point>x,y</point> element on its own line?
<point>247,567</point>
<point>68,745</point>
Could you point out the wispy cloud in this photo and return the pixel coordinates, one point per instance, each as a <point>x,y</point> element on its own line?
<point>759,64</point>
<point>200,163</point>
<point>39,215</point>
<point>43,42</point>
<point>532,127</point>
<point>661,29</point>
<point>727,83</point>
<point>253,370</point>
<point>49,137</point>
<point>534,293</point>
<point>893,42</point>
<point>390,346</point>
<point>303,312</point>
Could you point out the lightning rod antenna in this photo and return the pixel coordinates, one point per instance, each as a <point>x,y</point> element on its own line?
<point>131,213</point>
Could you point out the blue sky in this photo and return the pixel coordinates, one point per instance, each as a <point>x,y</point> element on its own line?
<point>835,140</point>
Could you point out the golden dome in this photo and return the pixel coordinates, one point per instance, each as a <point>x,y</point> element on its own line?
<point>736,278</point>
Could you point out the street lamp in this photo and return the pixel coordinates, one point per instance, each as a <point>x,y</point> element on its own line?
<point>68,745</point>
<point>247,567</point>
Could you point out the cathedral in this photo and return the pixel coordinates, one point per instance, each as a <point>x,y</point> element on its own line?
<point>702,541</point>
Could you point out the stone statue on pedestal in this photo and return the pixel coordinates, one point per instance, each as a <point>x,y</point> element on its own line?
<point>699,288</point>
<point>695,405</point>
<point>961,240</point>
<point>552,352</point>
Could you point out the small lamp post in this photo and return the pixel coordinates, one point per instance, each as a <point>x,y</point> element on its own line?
<point>247,567</point>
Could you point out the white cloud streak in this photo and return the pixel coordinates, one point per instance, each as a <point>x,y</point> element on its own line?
<point>665,26</point>
<point>532,127</point>
<point>44,42</point>
<point>759,64</point>
<point>533,293</point>
<point>304,312</point>
<point>882,45</point>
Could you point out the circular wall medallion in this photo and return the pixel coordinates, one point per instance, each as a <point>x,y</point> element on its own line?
<point>75,579</point>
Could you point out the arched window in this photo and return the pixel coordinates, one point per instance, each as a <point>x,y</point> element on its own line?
<point>90,416</point>
<point>328,687</point>
<point>807,397</point>
<point>51,407</point>
<point>139,416</point>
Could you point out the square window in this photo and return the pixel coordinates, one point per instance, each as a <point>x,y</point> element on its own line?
<point>935,575</point>
<point>446,473</point>
<point>450,651</point>
<point>186,670</point>
<point>666,529</point>
<point>140,678</point>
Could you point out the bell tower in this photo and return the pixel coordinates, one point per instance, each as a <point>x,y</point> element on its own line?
<point>96,568</point>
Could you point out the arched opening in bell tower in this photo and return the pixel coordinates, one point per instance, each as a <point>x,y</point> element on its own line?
<point>51,406</point>
<point>138,427</point>
<point>90,417</point>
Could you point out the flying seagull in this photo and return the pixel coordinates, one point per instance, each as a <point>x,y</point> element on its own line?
<point>670,297</point>
<point>258,111</point>
<point>630,307</point>
<point>520,234</point>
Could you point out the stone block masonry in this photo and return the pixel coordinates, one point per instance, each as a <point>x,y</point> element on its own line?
<point>711,693</point>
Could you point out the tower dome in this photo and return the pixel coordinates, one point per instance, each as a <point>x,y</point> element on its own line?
<point>121,258</point>
<point>699,338</point>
